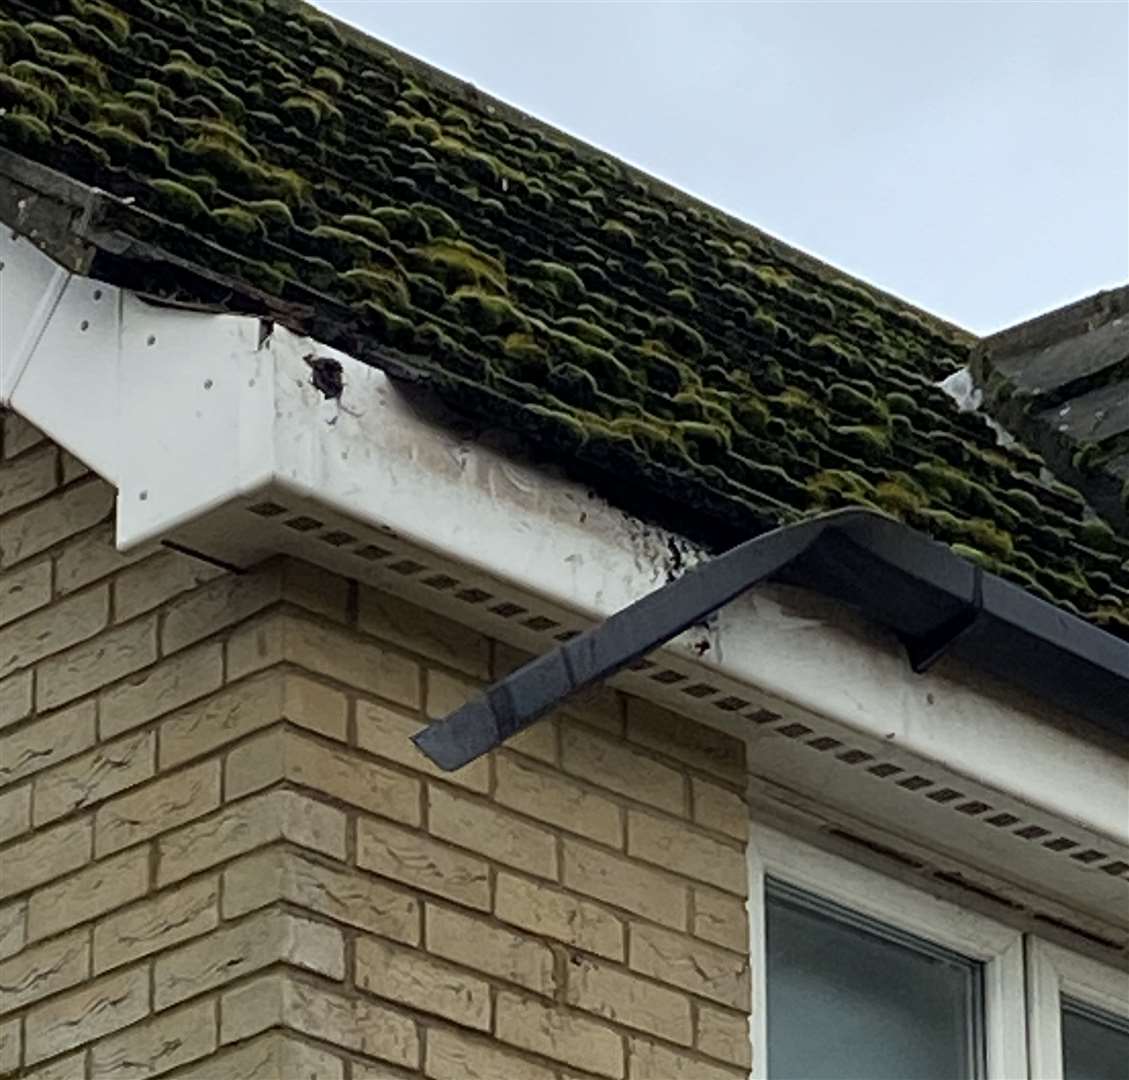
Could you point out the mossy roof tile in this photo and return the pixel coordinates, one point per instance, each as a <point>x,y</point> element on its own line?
<point>698,370</point>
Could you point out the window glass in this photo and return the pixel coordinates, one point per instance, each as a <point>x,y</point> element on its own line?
<point>853,999</point>
<point>1095,1045</point>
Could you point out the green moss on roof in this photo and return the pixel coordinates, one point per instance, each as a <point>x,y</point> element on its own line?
<point>691,366</point>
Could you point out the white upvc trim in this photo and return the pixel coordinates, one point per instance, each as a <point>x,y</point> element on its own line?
<point>1052,974</point>
<point>999,948</point>
<point>197,418</point>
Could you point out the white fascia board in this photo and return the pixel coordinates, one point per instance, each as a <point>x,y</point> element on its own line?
<point>193,414</point>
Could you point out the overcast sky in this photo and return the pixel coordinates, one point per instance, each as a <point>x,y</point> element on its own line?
<point>972,158</point>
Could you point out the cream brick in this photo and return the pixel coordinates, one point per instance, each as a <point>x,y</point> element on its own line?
<point>260,643</point>
<point>15,698</point>
<point>158,690</point>
<point>19,435</point>
<point>24,590</point>
<point>421,631</point>
<point>27,479</point>
<point>253,1007</point>
<point>614,879</point>
<point>15,812</point>
<point>267,937</point>
<point>491,832</point>
<point>720,809</point>
<point>99,888</point>
<point>95,776</point>
<point>702,747</point>
<point>617,995</point>
<point>451,1055</point>
<point>422,863</point>
<point>315,706</point>
<point>567,1037</point>
<point>274,1056</point>
<point>156,807</point>
<point>46,523</point>
<point>279,1000</point>
<point>73,469</point>
<point>713,973</point>
<point>218,605</point>
<point>95,663</point>
<point>387,734</point>
<point>10,1044</point>
<point>165,920</point>
<point>70,1067</point>
<point>82,1015</point>
<point>648,1061</point>
<point>558,915</point>
<point>539,741</point>
<point>90,557</point>
<point>621,769</point>
<point>447,692</point>
<point>724,1035</point>
<point>46,741</point>
<point>246,825</point>
<point>45,855</point>
<point>45,969</point>
<point>375,1072</point>
<point>339,893</point>
<point>722,919</point>
<point>285,754</point>
<point>158,579</point>
<point>355,1023</point>
<point>547,796</point>
<point>157,1046</point>
<point>13,928</point>
<point>53,629</point>
<point>222,718</point>
<point>409,977</point>
<point>328,650</point>
<point>490,949</point>
<point>677,846</point>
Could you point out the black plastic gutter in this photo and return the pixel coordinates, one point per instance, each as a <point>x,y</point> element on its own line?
<point>935,602</point>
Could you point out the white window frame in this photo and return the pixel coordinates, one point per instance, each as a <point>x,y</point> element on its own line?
<point>999,948</point>
<point>1052,974</point>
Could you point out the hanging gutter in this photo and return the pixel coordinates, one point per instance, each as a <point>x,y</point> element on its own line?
<point>933,600</point>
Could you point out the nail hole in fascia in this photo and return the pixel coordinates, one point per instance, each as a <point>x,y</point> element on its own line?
<point>143,495</point>
<point>208,384</point>
<point>152,340</point>
<point>97,294</point>
<point>84,325</point>
<point>1,266</point>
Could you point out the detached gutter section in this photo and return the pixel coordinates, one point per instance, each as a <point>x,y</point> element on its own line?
<point>933,600</point>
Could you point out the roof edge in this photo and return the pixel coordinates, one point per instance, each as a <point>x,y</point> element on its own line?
<point>1073,319</point>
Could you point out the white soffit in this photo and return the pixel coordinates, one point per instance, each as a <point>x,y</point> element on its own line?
<point>219,442</point>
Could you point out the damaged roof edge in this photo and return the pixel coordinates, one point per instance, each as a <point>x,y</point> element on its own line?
<point>933,600</point>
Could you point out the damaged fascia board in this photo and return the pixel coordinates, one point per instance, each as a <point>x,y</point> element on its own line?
<point>195,412</point>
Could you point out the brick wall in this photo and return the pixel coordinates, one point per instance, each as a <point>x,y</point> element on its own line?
<point>221,856</point>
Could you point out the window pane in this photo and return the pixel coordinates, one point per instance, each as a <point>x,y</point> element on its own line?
<point>852,999</point>
<point>1095,1046</point>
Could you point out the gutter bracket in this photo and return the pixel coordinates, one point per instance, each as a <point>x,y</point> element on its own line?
<point>924,651</point>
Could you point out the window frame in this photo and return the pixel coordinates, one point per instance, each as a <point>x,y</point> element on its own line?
<point>773,854</point>
<point>1053,973</point>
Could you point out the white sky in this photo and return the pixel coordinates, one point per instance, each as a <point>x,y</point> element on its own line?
<point>972,158</point>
